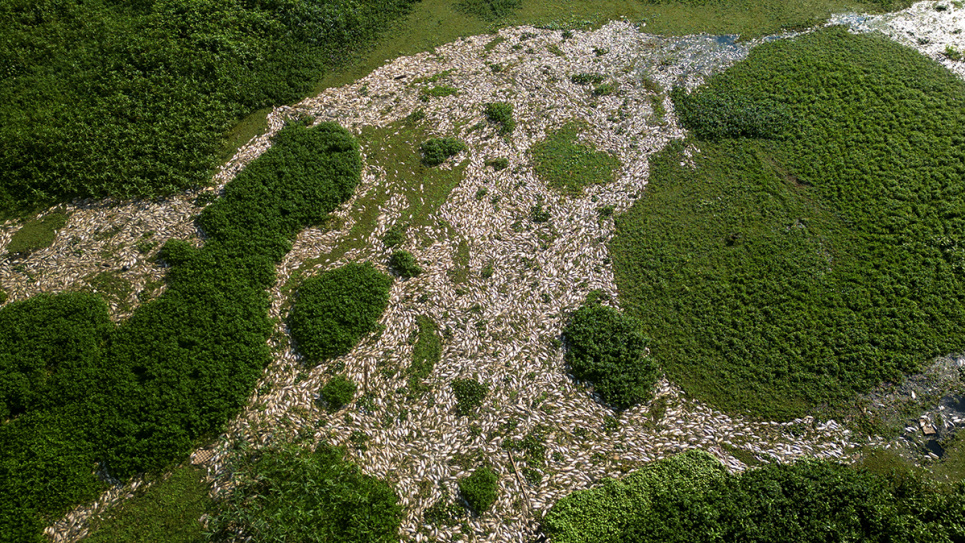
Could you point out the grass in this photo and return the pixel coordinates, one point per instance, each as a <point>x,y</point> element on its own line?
<point>426,353</point>
<point>114,288</point>
<point>569,166</point>
<point>252,125</point>
<point>782,276</point>
<point>36,234</point>
<point>168,512</point>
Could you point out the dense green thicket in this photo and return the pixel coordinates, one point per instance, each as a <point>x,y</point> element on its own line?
<point>404,264</point>
<point>285,493</point>
<point>139,398</point>
<point>691,497</point>
<point>605,346</point>
<point>334,310</point>
<point>338,392</point>
<point>435,151</point>
<point>782,275</point>
<point>470,394</point>
<point>133,98</point>
<point>480,489</point>
<point>501,114</point>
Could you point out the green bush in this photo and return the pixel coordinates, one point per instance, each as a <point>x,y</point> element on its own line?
<point>480,489</point>
<point>133,99</point>
<point>285,493</point>
<point>605,346</point>
<point>782,276</point>
<point>497,164</point>
<point>716,115</point>
<point>334,310</point>
<point>338,392</point>
<point>435,151</point>
<point>404,264</point>
<point>569,166</point>
<point>488,10</point>
<point>36,234</point>
<point>394,235</point>
<point>604,89</point>
<point>501,113</point>
<point>691,497</point>
<point>470,394</point>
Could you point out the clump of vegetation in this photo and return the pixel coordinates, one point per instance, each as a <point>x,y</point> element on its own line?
<point>587,79</point>
<point>425,354</point>
<point>498,164</point>
<point>404,264</point>
<point>786,274</point>
<point>488,10</point>
<point>435,151</point>
<point>715,115</point>
<point>438,91</point>
<point>470,394</point>
<point>3,296</point>
<point>501,113</point>
<point>952,53</point>
<point>334,310</point>
<point>538,214</point>
<point>604,89</point>
<point>605,346</point>
<point>480,489</point>
<point>338,392</point>
<point>286,493</point>
<point>36,234</point>
<point>395,235</point>
<point>487,270</point>
<point>692,497</point>
<point>569,166</point>
<point>133,99</point>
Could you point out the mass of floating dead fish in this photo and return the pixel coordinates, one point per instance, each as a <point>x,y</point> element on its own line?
<point>504,329</point>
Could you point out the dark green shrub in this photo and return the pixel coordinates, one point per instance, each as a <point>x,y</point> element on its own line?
<point>498,163</point>
<point>338,392</point>
<point>394,235</point>
<point>470,394</point>
<point>334,310</point>
<point>605,346</point>
<point>487,271</point>
<point>3,296</point>
<point>36,234</point>
<point>604,89</point>
<point>489,10</point>
<point>501,113</point>
<point>480,489</point>
<point>587,79</point>
<point>436,150</point>
<point>438,91</point>
<point>404,264</point>
<point>714,115</point>
<point>286,493</point>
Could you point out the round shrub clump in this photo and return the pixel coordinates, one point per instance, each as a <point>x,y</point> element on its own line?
<point>469,395</point>
<point>335,309</point>
<point>436,150</point>
<point>338,392</point>
<point>606,347</point>
<point>501,113</point>
<point>479,490</point>
<point>404,264</point>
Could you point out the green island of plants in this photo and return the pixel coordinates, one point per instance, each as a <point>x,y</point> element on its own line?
<point>435,151</point>
<point>480,489</point>
<point>404,264</point>
<point>426,352</point>
<point>333,311</point>
<point>138,397</point>
<point>782,276</point>
<point>36,234</point>
<point>288,493</point>
<point>338,392</point>
<point>501,114</point>
<point>567,165</point>
<point>605,346</point>
<point>691,497</point>
<point>470,394</point>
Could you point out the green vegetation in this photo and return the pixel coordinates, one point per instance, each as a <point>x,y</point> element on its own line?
<point>587,79</point>
<point>394,235</point>
<point>533,447</point>
<point>604,89</point>
<point>438,92</point>
<point>480,489</point>
<point>712,116</point>
<point>333,311</point>
<point>168,512</point>
<point>691,497</point>
<point>783,275</point>
<point>425,354</point>
<point>138,397</point>
<point>435,151</point>
<point>498,164</point>
<point>404,264</point>
<point>470,394</point>
<point>488,10</point>
<point>36,234</point>
<point>501,113</point>
<point>134,99</point>
<point>285,493</point>
<point>3,296</point>
<point>567,165</point>
<point>605,346</point>
<point>338,392</point>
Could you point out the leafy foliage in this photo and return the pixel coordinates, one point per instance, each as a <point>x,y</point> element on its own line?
<point>425,354</point>
<point>605,346</point>
<point>690,497</point>
<point>435,151</point>
<point>404,263</point>
<point>587,78</point>
<point>488,10</point>
<point>713,116</point>
<point>132,99</point>
<point>334,310</point>
<point>338,392</point>
<point>501,113</point>
<point>285,493</point>
<point>480,489</point>
<point>469,395</point>
<point>777,276</point>
<point>567,165</point>
<point>138,397</point>
<point>36,234</point>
